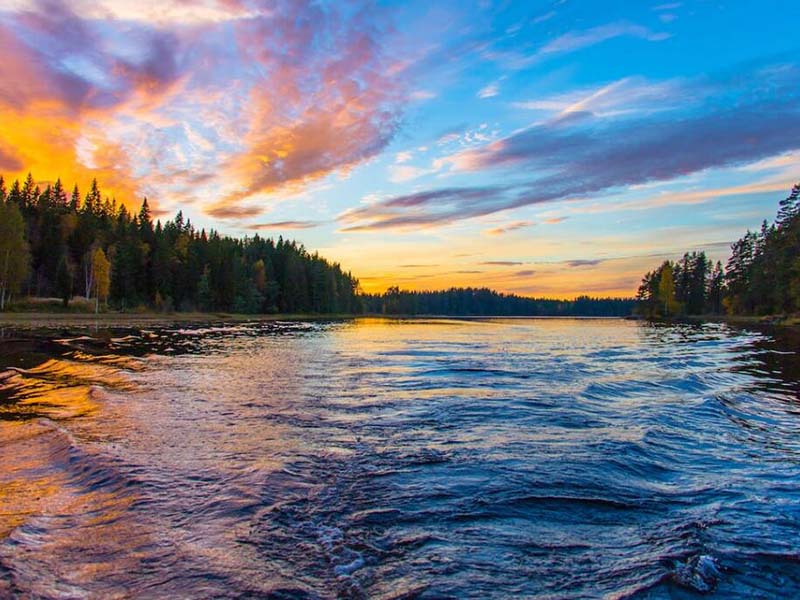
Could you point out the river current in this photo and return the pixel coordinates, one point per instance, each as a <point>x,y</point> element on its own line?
<point>534,458</point>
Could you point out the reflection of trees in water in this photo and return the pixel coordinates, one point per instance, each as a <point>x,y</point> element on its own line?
<point>770,355</point>
<point>775,354</point>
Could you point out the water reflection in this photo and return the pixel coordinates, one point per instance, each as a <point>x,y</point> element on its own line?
<point>371,458</point>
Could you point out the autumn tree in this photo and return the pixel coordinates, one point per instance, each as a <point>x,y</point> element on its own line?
<point>14,255</point>
<point>666,291</point>
<point>101,277</point>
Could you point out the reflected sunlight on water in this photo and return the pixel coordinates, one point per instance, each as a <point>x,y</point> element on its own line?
<point>377,458</point>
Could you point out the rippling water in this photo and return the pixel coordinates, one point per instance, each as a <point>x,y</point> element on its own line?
<point>400,459</point>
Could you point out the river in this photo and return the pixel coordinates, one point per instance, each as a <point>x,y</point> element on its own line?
<point>536,458</point>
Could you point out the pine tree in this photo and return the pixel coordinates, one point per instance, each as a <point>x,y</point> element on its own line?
<point>59,196</point>
<point>715,290</point>
<point>75,199</point>
<point>29,193</point>
<point>64,277</point>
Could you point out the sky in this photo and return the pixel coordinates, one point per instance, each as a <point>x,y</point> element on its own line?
<point>543,148</point>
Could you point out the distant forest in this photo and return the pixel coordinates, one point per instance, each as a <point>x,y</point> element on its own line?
<point>762,276</point>
<point>485,302</point>
<point>55,244</point>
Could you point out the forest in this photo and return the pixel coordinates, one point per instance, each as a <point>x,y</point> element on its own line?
<point>761,277</point>
<point>59,245</point>
<point>52,245</point>
<point>486,302</point>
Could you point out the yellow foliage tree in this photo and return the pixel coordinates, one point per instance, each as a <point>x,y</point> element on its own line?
<point>666,291</point>
<point>101,275</point>
<point>13,251</point>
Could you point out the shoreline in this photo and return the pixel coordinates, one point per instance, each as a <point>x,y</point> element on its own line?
<point>153,318</point>
<point>739,320</point>
<point>45,318</point>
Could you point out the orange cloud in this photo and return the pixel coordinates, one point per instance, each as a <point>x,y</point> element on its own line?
<point>53,119</point>
<point>324,104</point>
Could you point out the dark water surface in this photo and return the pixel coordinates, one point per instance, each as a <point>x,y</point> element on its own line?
<point>400,459</point>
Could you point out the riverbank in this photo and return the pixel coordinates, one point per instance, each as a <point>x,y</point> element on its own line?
<point>153,318</point>
<point>742,320</point>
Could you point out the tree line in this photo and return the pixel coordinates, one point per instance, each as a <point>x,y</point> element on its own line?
<point>55,244</point>
<point>486,302</point>
<point>761,277</point>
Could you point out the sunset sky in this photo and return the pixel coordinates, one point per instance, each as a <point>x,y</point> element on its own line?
<point>536,147</point>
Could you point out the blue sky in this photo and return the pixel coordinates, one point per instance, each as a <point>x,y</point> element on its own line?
<point>542,148</point>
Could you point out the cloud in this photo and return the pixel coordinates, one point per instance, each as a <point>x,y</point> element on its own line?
<point>324,104</point>
<point>416,266</point>
<point>451,134</point>
<point>169,12</point>
<point>502,263</point>
<point>584,262</point>
<point>69,74</point>
<point>9,161</point>
<point>234,212</point>
<point>545,17</point>
<point>413,210</point>
<point>509,227</point>
<point>525,273</point>
<point>276,225</point>
<point>573,41</point>
<point>624,96</point>
<point>421,95</point>
<point>402,173</point>
<point>403,157</point>
<point>579,158</point>
<point>489,91</point>
<point>577,40</point>
<point>264,98</point>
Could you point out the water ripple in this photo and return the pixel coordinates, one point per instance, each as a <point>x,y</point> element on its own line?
<point>400,459</point>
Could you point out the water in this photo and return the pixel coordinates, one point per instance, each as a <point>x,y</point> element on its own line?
<point>540,458</point>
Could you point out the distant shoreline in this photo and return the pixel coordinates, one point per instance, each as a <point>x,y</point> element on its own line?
<point>123,319</point>
<point>144,318</point>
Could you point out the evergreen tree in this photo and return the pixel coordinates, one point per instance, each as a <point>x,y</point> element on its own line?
<point>29,193</point>
<point>64,277</point>
<point>75,199</point>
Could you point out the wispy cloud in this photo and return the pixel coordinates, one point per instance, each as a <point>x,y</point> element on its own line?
<point>509,227</point>
<point>577,40</point>
<point>585,262</point>
<point>402,173</point>
<point>489,91</point>
<point>578,158</point>
<point>283,225</point>
<point>573,41</point>
<point>235,212</point>
<point>621,97</point>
